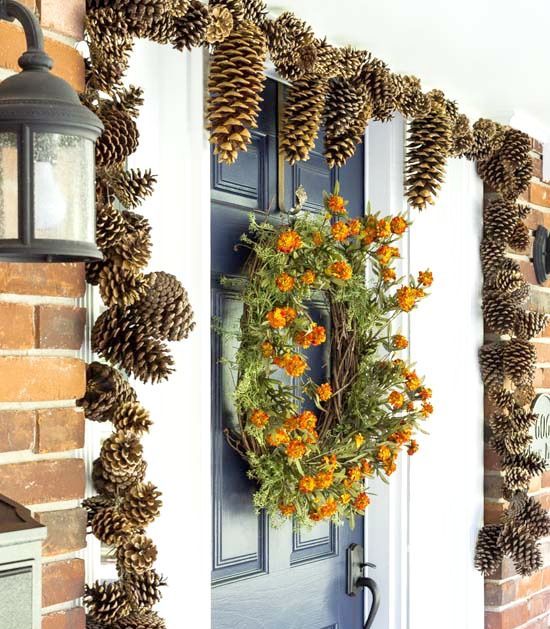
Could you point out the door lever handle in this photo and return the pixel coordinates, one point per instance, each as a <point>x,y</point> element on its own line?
<point>371,585</point>
<point>356,580</point>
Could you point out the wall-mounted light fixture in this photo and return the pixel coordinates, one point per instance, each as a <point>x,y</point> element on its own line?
<point>541,254</point>
<point>47,159</point>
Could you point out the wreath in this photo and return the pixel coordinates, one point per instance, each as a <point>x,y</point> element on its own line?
<point>310,445</point>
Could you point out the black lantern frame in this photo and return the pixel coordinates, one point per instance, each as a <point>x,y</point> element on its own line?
<point>43,116</point>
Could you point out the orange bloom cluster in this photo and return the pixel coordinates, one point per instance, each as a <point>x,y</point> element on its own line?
<point>324,480</point>
<point>396,400</point>
<point>285,282</point>
<point>259,418</point>
<point>336,204</point>
<point>306,484</point>
<point>355,226</point>
<point>296,449</point>
<point>267,349</point>
<point>318,239</point>
<point>289,241</point>
<point>401,436</point>
<point>340,270</point>
<point>324,391</point>
<point>398,225</point>
<point>383,228</point>
<point>427,409</point>
<point>287,510</point>
<point>354,474</point>
<point>425,393</point>
<point>385,253</point>
<point>308,277</point>
<point>281,317</point>
<point>400,342</point>
<point>412,380</point>
<point>413,447</point>
<point>369,235</point>
<point>324,511</point>
<point>387,458</point>
<point>316,336</point>
<point>361,502</point>
<point>277,438</point>
<point>366,468</point>
<point>340,231</point>
<point>425,278</point>
<point>307,421</point>
<point>293,364</point>
<point>388,275</point>
<point>407,297</point>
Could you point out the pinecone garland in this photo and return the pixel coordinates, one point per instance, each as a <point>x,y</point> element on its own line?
<point>515,479</point>
<point>235,84</point>
<point>112,486</point>
<point>507,279</point>
<point>92,270</point>
<point>302,118</point>
<point>383,88</point>
<point>133,250</point>
<point>106,389</point>
<point>133,417</point>
<point>492,256</point>
<point>491,364</point>
<point>163,30</point>
<point>95,504</point>
<point>110,526</point>
<point>531,462</point>
<point>463,137</point>
<point>190,29</point>
<point>499,219</point>
<point>514,442</point>
<point>220,24</point>
<point>520,295</point>
<point>131,187</point>
<point>519,237</point>
<point>291,42</point>
<point>518,359</point>
<point>136,554</point>
<point>499,314</point>
<point>141,505</point>
<point>533,516</point>
<point>508,170</point>
<point>128,100</point>
<point>327,63</point>
<point>235,7</point>
<point>524,394</point>
<point>119,138</point>
<point>429,143</point>
<point>517,543</point>
<point>144,590</point>
<point>106,602</point>
<point>413,103</point>
<point>121,454</point>
<point>110,227</point>
<point>488,553</point>
<point>530,324</point>
<point>520,419</point>
<point>140,620</point>
<point>256,11</point>
<point>118,286</point>
<point>502,398</point>
<point>141,16</point>
<point>488,138</point>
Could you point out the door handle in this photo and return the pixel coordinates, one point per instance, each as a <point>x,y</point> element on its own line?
<point>356,580</point>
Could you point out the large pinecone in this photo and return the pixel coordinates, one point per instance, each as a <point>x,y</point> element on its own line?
<point>413,103</point>
<point>514,442</point>
<point>119,138</point>
<point>235,7</point>
<point>517,543</point>
<point>113,485</point>
<point>383,88</point>
<point>328,60</point>
<point>463,137</point>
<point>519,237</point>
<point>132,416</point>
<point>95,504</point>
<point>492,256</point>
<point>119,286</point>
<point>106,389</point>
<point>302,118</point>
<point>136,555</point>
<point>141,16</point>
<point>133,250</point>
<point>131,187</point>
<point>144,590</point>
<point>190,28</point>
<point>292,46</point>
<point>488,554</point>
<point>256,11</point>
<point>499,313</point>
<point>106,602</point>
<point>121,454</point>
<point>140,620</point>
<point>499,219</point>
<point>163,30</point>
<point>507,279</point>
<point>347,110</point>
<point>531,462</point>
<point>501,397</point>
<point>515,479</point>
<point>110,226</point>
<point>141,505</point>
<point>518,359</point>
<point>529,324</point>
<point>488,138</point>
<point>533,516</point>
<point>491,364</point>
<point>235,84</point>
<point>428,147</point>
<point>111,525</point>
<point>521,419</point>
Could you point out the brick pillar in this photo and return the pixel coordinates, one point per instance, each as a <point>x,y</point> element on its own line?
<point>41,376</point>
<point>512,601</point>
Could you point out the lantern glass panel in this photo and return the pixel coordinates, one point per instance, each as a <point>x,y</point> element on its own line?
<point>64,189</point>
<point>9,199</point>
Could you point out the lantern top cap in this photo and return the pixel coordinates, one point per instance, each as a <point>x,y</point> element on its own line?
<point>15,517</point>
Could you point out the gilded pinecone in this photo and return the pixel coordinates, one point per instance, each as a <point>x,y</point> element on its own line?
<point>141,505</point>
<point>532,515</point>
<point>110,526</point>
<point>133,250</point>
<point>119,286</point>
<point>492,256</point>
<point>499,219</point>
<point>106,602</point>
<point>518,359</point>
<point>165,309</point>
<point>235,84</point>
<point>413,102</point>
<point>121,454</point>
<point>131,187</point>
<point>190,29</point>
<point>220,24</point>
<point>488,138</point>
<point>302,118</point>
<point>132,416</point>
<point>517,543</point>
<point>136,555</point>
<point>519,237</point>
<point>95,504</point>
<point>530,324</point>
<point>463,137</point>
<point>491,364</point>
<point>106,389</point>
<point>140,620</point>
<point>428,147</point>
<point>383,88</point>
<point>144,590</point>
<point>119,138</point>
<point>347,110</point>
<point>499,313</point>
<point>488,554</point>
<point>122,342</point>
<point>291,42</point>
<point>113,486</point>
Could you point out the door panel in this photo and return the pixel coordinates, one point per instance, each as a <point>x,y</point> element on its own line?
<point>265,577</point>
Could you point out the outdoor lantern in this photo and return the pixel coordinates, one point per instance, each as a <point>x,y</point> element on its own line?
<point>541,254</point>
<point>47,159</point>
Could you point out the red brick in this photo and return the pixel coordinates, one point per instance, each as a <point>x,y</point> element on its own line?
<point>537,165</point>
<point>62,581</point>
<point>493,512</point>
<point>545,479</point>
<point>508,618</point>
<point>536,145</point>
<point>538,604</point>
<point>530,585</point>
<point>37,482</point>
<point>493,486</point>
<point>543,352</point>
<point>60,327</point>
<point>492,459</point>
<point>539,194</point>
<point>56,280</point>
<point>66,17</point>
<point>41,378</point>
<point>542,379</point>
<point>66,531</point>
<point>536,218</point>
<point>505,570</point>
<point>16,430</point>
<point>70,619</point>
<point>529,273</point>
<point>497,594</point>
<point>546,577</point>
<point>16,326</point>
<point>59,429</point>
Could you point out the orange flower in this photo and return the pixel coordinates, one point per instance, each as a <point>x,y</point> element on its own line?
<point>314,516</point>
<point>399,364</point>
<point>307,420</point>
<point>279,361</point>
<point>406,298</point>
<point>295,449</point>
<point>410,406</point>
<point>388,275</point>
<point>340,231</point>
<point>396,400</point>
<point>276,318</point>
<point>427,409</point>
<point>384,454</point>
<point>366,468</point>
<point>287,510</point>
<point>336,204</point>
<point>323,480</point>
<point>369,236</point>
<point>425,278</point>
<point>383,228</point>
<point>289,241</point>
<point>318,335</point>
<point>413,381</point>
<point>312,437</point>
<point>328,509</point>
<point>267,349</point>
<point>398,225</point>
<point>345,498</point>
<point>324,391</point>
<point>384,254</point>
<point>318,239</point>
<point>294,365</point>
<point>413,447</point>
<point>354,474</point>
<point>354,225</point>
<point>361,502</point>
<point>400,342</point>
<point>289,314</point>
<point>306,484</point>
<point>401,436</point>
<point>259,418</point>
<point>308,277</point>
<point>285,282</point>
<point>277,438</point>
<point>341,270</point>
<point>291,423</point>
<point>425,393</point>
<point>331,462</point>
<point>390,467</point>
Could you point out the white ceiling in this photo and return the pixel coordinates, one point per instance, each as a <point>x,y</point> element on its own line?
<point>492,56</point>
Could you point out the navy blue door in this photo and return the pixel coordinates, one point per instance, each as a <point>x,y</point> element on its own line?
<point>266,578</point>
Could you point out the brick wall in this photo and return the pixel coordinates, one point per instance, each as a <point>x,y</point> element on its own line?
<point>41,376</point>
<point>512,601</point>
